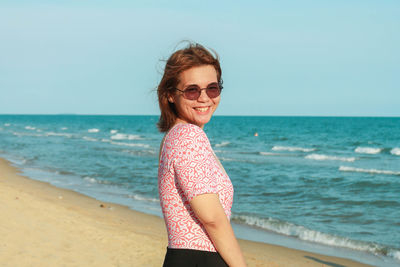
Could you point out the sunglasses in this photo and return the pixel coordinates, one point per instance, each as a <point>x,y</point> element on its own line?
<point>193,92</point>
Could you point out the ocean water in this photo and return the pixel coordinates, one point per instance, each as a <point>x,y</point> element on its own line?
<point>323,180</point>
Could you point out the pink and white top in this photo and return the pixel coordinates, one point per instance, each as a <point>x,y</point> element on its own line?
<point>189,168</point>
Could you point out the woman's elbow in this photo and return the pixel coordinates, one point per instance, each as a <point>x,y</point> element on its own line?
<point>214,221</point>
<point>208,210</point>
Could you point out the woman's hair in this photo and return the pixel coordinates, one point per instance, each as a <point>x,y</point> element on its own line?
<point>193,55</point>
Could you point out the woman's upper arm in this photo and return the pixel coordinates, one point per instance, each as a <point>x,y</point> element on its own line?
<point>208,208</point>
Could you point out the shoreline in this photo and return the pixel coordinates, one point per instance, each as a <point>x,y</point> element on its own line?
<point>43,225</point>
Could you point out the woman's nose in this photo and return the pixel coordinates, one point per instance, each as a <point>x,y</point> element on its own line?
<point>203,96</point>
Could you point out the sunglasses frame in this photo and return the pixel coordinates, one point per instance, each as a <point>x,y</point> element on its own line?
<point>201,89</point>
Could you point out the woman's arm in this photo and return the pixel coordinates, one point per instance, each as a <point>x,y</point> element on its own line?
<point>211,214</point>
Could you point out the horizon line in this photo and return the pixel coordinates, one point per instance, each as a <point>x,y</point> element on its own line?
<point>83,114</point>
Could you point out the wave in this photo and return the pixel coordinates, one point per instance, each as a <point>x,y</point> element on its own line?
<point>326,157</point>
<point>292,149</point>
<point>7,124</point>
<point>140,152</point>
<point>58,134</point>
<point>395,151</point>
<point>269,154</point>
<point>17,160</point>
<point>89,139</point>
<point>41,135</point>
<point>27,134</point>
<point>125,144</point>
<point>93,130</point>
<point>224,143</point>
<point>113,131</point>
<point>142,198</point>
<point>121,136</point>
<point>394,254</point>
<point>237,160</point>
<point>367,150</point>
<point>64,128</point>
<point>372,171</point>
<point>30,128</point>
<point>94,180</point>
<point>226,159</point>
<point>129,144</point>
<point>303,233</point>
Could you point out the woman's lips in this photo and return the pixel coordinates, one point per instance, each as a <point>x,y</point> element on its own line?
<point>202,109</point>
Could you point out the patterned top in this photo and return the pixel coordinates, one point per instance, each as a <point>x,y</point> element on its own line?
<point>188,167</point>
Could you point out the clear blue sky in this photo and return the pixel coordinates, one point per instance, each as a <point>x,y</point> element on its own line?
<point>278,57</point>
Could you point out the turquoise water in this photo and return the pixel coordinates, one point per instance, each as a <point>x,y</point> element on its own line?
<point>332,181</point>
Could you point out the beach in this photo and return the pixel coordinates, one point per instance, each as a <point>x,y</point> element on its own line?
<point>43,225</point>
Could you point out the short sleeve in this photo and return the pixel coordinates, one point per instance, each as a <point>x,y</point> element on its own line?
<point>194,164</point>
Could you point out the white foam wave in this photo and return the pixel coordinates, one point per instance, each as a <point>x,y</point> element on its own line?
<point>89,139</point>
<point>90,179</point>
<point>306,234</point>
<point>395,151</point>
<point>142,198</point>
<point>227,159</point>
<point>27,134</point>
<point>394,253</point>
<point>225,143</point>
<point>367,150</point>
<point>30,128</point>
<point>326,157</point>
<point>372,171</point>
<point>292,149</point>
<point>94,130</point>
<point>7,124</point>
<point>58,134</point>
<point>94,180</point>
<point>268,154</point>
<point>17,160</point>
<point>121,136</point>
<point>64,128</point>
<point>113,131</point>
<point>125,144</point>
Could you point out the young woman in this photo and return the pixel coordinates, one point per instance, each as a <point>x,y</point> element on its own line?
<point>195,192</point>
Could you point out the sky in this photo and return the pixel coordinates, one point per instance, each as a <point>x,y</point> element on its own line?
<point>278,58</point>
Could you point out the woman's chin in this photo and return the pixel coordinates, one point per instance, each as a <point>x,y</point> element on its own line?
<point>202,122</point>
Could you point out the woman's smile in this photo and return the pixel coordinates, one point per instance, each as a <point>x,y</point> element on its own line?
<point>202,110</point>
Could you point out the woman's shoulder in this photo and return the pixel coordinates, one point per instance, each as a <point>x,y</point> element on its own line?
<point>186,132</point>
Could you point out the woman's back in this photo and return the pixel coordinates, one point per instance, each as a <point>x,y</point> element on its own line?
<point>189,168</point>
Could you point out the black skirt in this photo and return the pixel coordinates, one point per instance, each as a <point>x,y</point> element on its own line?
<point>189,257</point>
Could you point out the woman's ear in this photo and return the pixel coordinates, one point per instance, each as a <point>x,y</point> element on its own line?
<point>170,99</point>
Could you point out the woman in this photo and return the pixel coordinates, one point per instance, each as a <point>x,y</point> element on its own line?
<point>195,192</point>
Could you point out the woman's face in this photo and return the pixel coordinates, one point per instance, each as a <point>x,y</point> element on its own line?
<point>198,111</point>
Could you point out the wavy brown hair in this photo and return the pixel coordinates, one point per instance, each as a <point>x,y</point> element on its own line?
<point>193,55</point>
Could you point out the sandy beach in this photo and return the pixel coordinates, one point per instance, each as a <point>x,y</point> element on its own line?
<point>42,225</point>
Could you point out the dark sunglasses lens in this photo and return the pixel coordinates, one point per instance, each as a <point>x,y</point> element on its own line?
<point>213,91</point>
<point>192,93</point>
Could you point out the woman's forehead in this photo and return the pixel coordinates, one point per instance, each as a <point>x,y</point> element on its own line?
<point>201,75</point>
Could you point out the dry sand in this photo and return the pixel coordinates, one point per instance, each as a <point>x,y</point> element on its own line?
<point>42,225</point>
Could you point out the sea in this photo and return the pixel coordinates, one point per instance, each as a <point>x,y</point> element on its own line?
<point>324,184</point>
